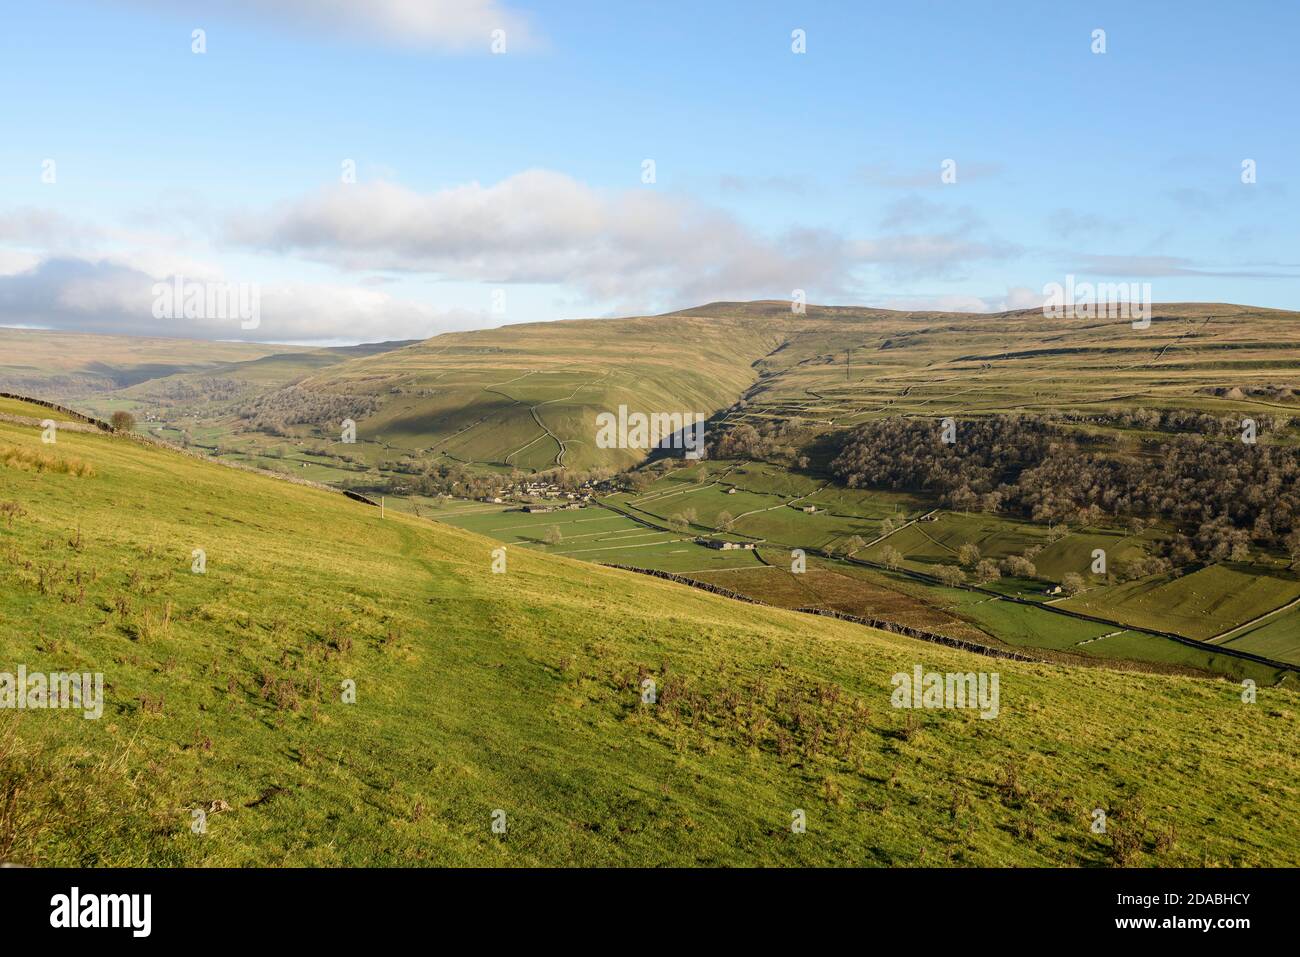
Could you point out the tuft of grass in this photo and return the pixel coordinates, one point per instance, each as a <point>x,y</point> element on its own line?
<point>36,460</point>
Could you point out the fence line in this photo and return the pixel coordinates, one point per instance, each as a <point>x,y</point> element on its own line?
<point>79,416</point>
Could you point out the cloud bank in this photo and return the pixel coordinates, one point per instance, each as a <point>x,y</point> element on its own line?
<point>104,296</point>
<point>628,247</point>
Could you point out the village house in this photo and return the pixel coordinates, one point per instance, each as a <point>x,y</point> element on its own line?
<point>723,545</point>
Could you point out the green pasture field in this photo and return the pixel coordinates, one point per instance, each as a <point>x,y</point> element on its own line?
<point>1199,605</point>
<point>1074,552</point>
<point>598,535</point>
<point>1226,599</point>
<point>1031,627</point>
<point>1276,637</point>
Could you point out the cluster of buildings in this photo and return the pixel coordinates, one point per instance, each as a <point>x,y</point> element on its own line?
<point>530,491</point>
<point>723,544</point>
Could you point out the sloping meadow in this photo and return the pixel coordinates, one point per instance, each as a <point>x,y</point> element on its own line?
<point>289,678</point>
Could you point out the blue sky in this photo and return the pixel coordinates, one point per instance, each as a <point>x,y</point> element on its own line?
<point>515,180</point>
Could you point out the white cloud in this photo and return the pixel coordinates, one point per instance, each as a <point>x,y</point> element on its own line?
<point>446,25</point>
<point>13,261</point>
<point>33,226</point>
<point>544,227</point>
<point>1022,297</point>
<point>640,248</point>
<point>112,297</point>
<point>624,252</point>
<point>1016,297</point>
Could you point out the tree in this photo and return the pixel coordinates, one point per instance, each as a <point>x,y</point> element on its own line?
<point>1072,583</point>
<point>950,574</point>
<point>724,520</point>
<point>1293,546</point>
<point>1195,479</point>
<point>553,536</point>
<point>742,442</point>
<point>122,421</point>
<point>987,571</point>
<point>968,554</point>
<point>891,557</point>
<point>854,543</point>
<point>1018,566</point>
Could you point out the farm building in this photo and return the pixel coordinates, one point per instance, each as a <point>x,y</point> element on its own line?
<point>724,545</point>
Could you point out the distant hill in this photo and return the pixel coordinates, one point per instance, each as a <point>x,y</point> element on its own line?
<point>75,364</point>
<point>100,373</point>
<point>527,395</point>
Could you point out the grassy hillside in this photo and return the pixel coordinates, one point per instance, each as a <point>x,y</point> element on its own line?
<point>846,366</point>
<point>181,389</point>
<point>521,692</point>
<point>60,365</point>
<point>528,395</point>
